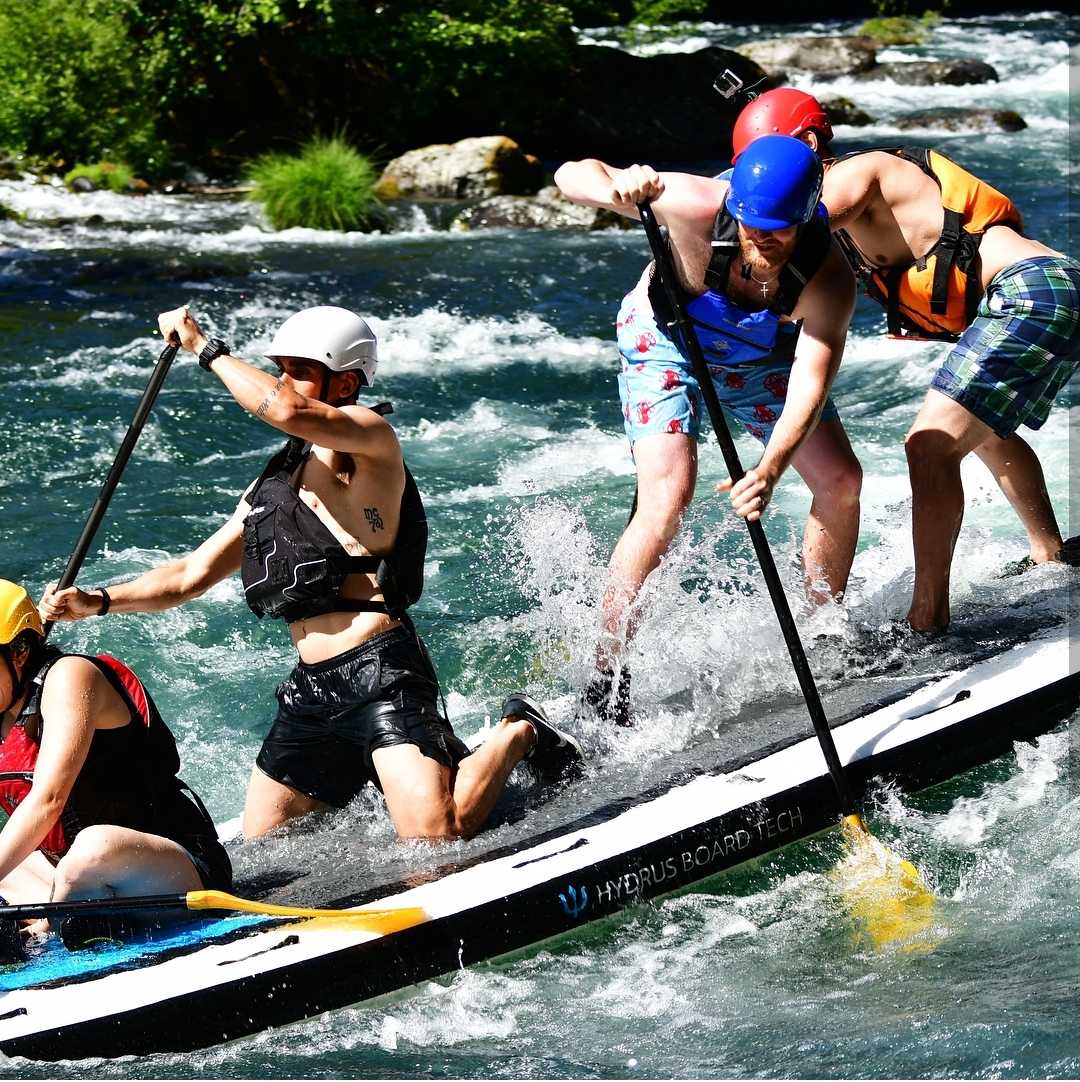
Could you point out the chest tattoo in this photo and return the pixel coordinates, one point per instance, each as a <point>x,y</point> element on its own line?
<point>374,519</point>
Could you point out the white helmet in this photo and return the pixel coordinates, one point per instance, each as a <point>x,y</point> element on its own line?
<point>335,337</point>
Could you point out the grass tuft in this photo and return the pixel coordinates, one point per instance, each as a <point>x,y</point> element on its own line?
<point>328,185</point>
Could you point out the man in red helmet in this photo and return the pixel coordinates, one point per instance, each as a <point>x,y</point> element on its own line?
<point>943,252</point>
<point>783,111</point>
<point>769,297</point>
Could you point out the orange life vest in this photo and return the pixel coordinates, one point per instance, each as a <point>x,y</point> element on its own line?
<point>936,296</point>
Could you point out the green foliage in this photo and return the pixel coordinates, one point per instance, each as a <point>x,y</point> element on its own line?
<point>225,79</point>
<point>9,215</point>
<point>600,12</point>
<point>900,29</point>
<point>894,30</point>
<point>887,9</point>
<point>115,176</point>
<point>328,185</point>
<point>654,12</point>
<point>486,60</point>
<point>74,83</point>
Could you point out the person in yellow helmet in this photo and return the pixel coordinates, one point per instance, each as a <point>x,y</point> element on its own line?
<point>88,778</point>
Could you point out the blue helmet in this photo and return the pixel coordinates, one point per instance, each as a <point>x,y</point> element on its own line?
<point>776,183</point>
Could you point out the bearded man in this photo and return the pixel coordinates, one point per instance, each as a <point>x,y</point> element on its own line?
<point>770,298</point>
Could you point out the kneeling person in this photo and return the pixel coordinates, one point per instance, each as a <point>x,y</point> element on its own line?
<point>88,778</point>
<point>331,538</point>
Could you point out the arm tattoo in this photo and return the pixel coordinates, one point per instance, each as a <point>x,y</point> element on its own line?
<point>264,405</point>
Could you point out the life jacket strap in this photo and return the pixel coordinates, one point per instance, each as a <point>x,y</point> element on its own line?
<point>946,251</point>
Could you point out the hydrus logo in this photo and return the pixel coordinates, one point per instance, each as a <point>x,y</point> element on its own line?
<point>574,904</point>
<point>684,864</point>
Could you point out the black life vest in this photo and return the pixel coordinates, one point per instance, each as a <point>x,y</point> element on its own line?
<point>728,334</point>
<point>129,776</point>
<point>936,296</point>
<point>293,567</point>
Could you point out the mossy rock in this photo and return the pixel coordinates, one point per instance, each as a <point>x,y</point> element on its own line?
<point>9,215</point>
<point>477,167</point>
<point>844,111</point>
<point>895,30</point>
<point>9,167</point>
<point>100,176</point>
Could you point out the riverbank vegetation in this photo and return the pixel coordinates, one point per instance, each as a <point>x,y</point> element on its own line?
<point>114,176</point>
<point>215,83</point>
<point>900,29</point>
<point>327,185</point>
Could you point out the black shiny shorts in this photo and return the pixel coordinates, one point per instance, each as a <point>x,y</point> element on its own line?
<point>333,715</point>
<point>181,817</point>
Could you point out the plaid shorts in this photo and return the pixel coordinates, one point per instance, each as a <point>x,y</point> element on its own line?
<point>1022,347</point>
<point>660,393</point>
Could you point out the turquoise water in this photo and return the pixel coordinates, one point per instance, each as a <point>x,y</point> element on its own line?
<point>497,353</point>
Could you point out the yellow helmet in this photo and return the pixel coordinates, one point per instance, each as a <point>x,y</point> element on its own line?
<point>17,612</point>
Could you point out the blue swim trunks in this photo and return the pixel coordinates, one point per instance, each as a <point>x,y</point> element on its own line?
<point>1022,348</point>
<point>660,393</point>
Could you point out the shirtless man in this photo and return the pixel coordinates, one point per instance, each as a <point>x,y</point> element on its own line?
<point>943,252</point>
<point>331,539</point>
<point>770,298</point>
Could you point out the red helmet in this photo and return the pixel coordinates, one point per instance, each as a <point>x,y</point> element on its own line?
<point>784,111</point>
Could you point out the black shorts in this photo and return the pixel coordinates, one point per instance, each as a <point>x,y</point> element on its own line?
<point>332,716</point>
<point>182,818</point>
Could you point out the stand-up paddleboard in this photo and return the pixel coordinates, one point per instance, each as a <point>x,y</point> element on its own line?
<point>237,977</point>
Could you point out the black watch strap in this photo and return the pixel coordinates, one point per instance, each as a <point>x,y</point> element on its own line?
<point>213,349</point>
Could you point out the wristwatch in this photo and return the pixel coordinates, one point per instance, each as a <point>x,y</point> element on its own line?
<point>213,349</point>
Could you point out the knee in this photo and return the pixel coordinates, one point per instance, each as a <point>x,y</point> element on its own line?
<point>846,484</point>
<point>437,822</point>
<point>84,861</point>
<point>928,449</point>
<point>660,515</point>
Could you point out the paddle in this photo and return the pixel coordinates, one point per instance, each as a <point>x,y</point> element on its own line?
<point>853,827</point>
<point>101,504</point>
<point>375,920</point>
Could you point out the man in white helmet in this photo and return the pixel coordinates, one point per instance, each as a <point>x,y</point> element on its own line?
<point>331,538</point>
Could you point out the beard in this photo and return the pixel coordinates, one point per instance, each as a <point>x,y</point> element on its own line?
<point>770,258</point>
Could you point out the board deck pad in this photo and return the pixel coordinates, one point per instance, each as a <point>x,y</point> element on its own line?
<point>755,782</point>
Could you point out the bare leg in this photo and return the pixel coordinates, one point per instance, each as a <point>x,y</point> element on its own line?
<point>105,861</point>
<point>943,433</point>
<point>269,804</point>
<point>1019,474</point>
<point>428,800</point>
<point>831,471</point>
<point>31,881</point>
<point>666,475</point>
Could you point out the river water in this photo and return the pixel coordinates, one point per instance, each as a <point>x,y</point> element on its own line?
<point>496,350</point>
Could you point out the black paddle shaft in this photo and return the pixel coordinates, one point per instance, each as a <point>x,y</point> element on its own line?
<point>93,905</point>
<point>101,504</point>
<point>757,533</point>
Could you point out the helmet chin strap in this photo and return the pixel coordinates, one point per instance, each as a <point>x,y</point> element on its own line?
<point>324,391</point>
<point>16,680</point>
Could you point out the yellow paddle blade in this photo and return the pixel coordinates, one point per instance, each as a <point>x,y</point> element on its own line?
<point>383,921</point>
<point>887,896</point>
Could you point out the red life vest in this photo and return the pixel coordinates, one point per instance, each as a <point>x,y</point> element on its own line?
<point>937,295</point>
<point>128,771</point>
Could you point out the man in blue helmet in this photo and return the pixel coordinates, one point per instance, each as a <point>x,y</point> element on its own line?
<point>770,298</point>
